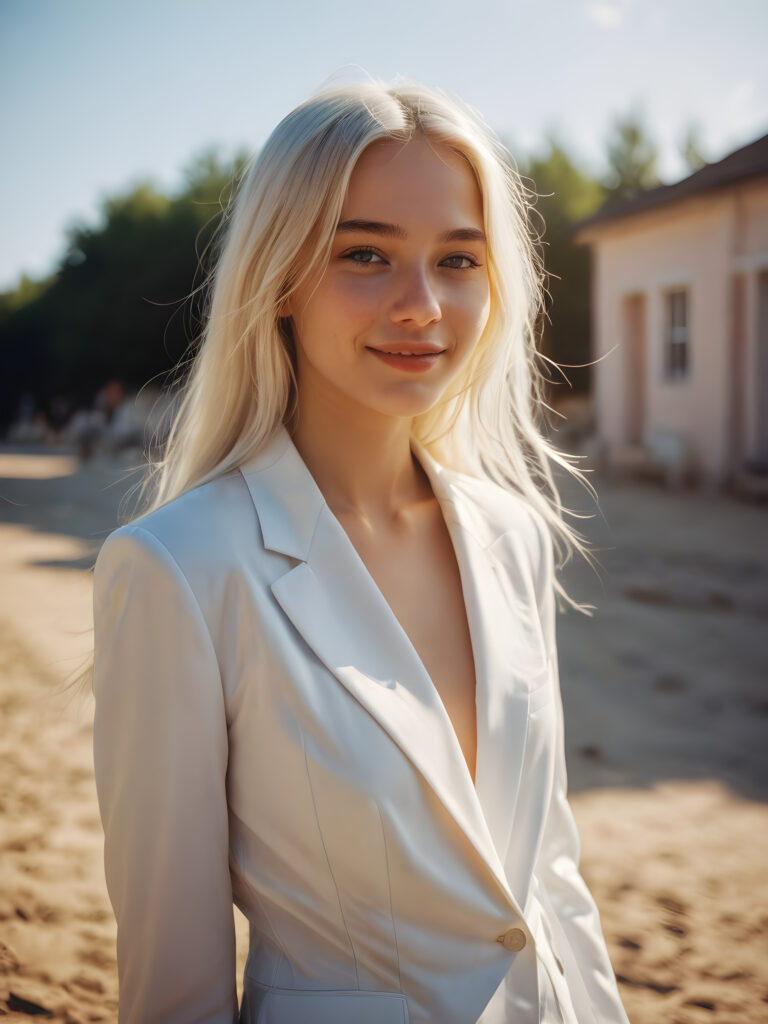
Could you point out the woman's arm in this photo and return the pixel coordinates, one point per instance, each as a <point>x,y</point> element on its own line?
<point>557,866</point>
<point>160,757</point>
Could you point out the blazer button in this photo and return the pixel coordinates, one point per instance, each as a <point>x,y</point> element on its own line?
<point>513,940</point>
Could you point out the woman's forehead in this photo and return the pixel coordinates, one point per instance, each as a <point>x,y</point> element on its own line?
<point>411,178</point>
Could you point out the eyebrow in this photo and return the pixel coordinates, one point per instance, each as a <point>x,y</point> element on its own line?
<point>377,227</point>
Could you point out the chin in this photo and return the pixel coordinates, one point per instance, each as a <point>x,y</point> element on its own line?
<point>406,407</point>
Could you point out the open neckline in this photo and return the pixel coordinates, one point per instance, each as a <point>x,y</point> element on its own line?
<point>453,526</point>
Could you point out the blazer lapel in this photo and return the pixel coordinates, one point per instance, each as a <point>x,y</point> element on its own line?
<point>338,609</point>
<point>504,641</point>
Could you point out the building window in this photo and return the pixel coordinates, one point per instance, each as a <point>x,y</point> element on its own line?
<point>676,333</point>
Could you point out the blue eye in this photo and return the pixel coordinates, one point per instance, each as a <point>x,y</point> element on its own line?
<point>468,264</point>
<point>368,256</point>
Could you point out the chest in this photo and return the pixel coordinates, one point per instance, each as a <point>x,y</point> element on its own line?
<point>419,577</point>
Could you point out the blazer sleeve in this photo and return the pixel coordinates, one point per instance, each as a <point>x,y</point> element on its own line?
<point>557,866</point>
<point>160,760</point>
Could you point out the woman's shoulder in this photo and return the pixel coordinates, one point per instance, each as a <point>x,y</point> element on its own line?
<point>499,511</point>
<point>201,527</point>
<point>509,527</point>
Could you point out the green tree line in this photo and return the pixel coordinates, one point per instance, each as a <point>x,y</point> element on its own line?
<point>127,298</point>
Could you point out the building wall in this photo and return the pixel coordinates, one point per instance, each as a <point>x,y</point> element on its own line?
<point>698,244</point>
<point>751,260</point>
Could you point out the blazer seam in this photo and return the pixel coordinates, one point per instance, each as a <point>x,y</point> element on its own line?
<point>283,956</point>
<point>188,587</point>
<point>315,528</point>
<point>328,862</point>
<point>193,597</point>
<point>389,893</point>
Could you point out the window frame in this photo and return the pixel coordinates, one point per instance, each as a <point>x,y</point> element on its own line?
<point>677,333</point>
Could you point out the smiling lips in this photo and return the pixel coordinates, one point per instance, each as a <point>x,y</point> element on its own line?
<point>411,358</point>
<point>404,348</point>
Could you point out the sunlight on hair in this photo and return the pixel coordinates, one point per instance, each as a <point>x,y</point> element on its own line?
<point>238,385</point>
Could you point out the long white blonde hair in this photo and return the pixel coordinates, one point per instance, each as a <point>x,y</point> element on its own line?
<point>278,228</point>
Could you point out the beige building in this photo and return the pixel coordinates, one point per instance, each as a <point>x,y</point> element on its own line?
<point>680,323</point>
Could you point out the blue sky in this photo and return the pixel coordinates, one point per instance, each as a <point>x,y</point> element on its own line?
<point>95,94</point>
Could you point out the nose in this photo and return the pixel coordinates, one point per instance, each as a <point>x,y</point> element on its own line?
<point>416,300</point>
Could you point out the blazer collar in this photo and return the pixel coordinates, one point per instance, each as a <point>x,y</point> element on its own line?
<point>289,501</point>
<point>374,658</point>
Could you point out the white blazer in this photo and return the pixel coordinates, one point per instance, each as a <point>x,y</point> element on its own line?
<point>266,733</point>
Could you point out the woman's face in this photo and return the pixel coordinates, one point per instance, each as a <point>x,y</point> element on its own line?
<point>407,272</point>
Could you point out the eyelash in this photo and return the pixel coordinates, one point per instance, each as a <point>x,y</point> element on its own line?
<point>369,249</point>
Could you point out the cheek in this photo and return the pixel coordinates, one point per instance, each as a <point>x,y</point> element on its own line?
<point>472,310</point>
<point>343,307</point>
<point>356,298</point>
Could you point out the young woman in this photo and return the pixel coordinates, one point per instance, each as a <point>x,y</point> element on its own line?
<point>325,667</point>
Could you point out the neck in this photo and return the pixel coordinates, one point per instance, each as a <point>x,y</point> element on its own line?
<point>363,464</point>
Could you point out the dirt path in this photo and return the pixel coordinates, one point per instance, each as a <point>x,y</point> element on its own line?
<point>666,694</point>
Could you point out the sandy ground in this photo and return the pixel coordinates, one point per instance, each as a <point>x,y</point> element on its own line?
<point>666,694</point>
